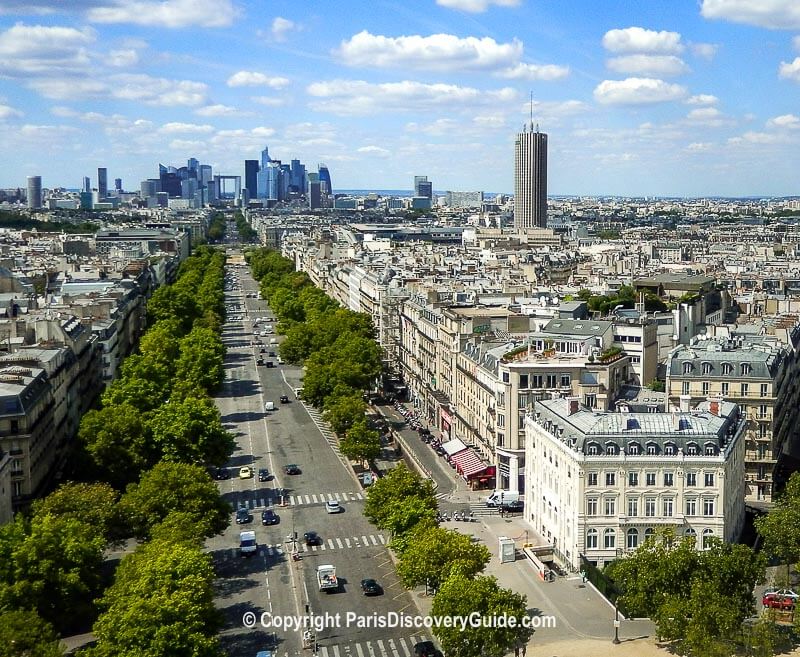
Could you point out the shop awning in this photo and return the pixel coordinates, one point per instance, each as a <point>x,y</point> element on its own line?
<point>468,463</point>
<point>453,447</point>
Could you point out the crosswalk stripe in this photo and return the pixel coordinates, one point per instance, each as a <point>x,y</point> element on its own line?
<point>382,539</point>
<point>292,499</point>
<point>347,542</point>
<point>314,498</point>
<point>373,539</point>
<point>359,650</point>
<point>324,651</point>
<point>369,648</point>
<point>364,539</point>
<point>330,543</point>
<point>380,647</point>
<point>339,543</point>
<point>394,649</point>
<point>335,651</point>
<point>403,645</point>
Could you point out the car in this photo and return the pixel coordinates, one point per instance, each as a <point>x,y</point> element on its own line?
<point>312,538</point>
<point>425,649</point>
<point>366,479</point>
<point>284,399</point>
<point>245,472</point>
<point>293,469</point>
<point>371,587</point>
<point>271,354</point>
<point>242,515</point>
<point>269,517</point>
<point>260,362</point>
<point>513,507</point>
<point>221,473</point>
<point>779,599</point>
<point>269,363</point>
<point>262,350</point>
<point>332,506</point>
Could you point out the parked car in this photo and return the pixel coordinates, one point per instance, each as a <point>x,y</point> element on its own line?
<point>221,473</point>
<point>245,472</point>
<point>269,517</point>
<point>242,515</point>
<point>779,599</point>
<point>284,399</point>
<point>371,587</point>
<point>263,474</point>
<point>513,507</point>
<point>332,506</point>
<point>293,469</point>
<point>312,538</point>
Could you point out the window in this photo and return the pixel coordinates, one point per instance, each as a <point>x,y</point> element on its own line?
<point>522,400</point>
<point>633,449</point>
<point>610,507</point>
<point>501,420</point>
<point>690,532</point>
<point>711,450</point>
<point>609,539</point>
<point>501,440</point>
<point>593,449</point>
<point>685,388</point>
<point>762,411</point>
<point>565,381</point>
<point>633,538</point>
<point>705,388</point>
<point>650,506</point>
<point>591,539</point>
<point>764,389</point>
<point>591,506</point>
<point>726,389</point>
<point>727,369</point>
<point>691,507</point>
<point>650,479</point>
<point>669,449</point>
<point>691,479</point>
<point>708,507</point>
<point>552,381</point>
<point>633,479</point>
<point>611,478</point>
<point>744,389</point>
<point>691,449</point>
<point>505,377</point>
<point>649,533</point>
<point>687,368</point>
<point>590,401</point>
<point>746,369</point>
<point>709,479</point>
<point>536,381</point>
<point>523,381</point>
<point>652,449</point>
<point>633,507</point>
<point>666,507</point>
<point>708,534</point>
<point>668,479</point>
<point>707,368</point>
<point>611,449</point>
<point>591,479</point>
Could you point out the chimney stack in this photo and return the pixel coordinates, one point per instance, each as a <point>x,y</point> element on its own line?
<point>573,405</point>
<point>685,399</point>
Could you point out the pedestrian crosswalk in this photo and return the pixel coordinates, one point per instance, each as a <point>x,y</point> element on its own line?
<point>482,509</point>
<point>402,647</point>
<point>329,544</point>
<point>272,499</point>
<point>325,430</point>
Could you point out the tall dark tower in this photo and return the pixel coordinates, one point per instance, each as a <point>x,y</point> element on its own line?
<point>325,177</point>
<point>102,183</point>
<point>251,169</point>
<point>530,178</point>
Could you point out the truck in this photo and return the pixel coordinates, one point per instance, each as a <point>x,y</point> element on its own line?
<point>247,544</point>
<point>502,497</point>
<point>326,577</point>
<point>269,406</point>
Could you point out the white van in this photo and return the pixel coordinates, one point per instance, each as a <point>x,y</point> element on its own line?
<point>273,340</point>
<point>269,406</point>
<point>247,543</point>
<point>499,497</point>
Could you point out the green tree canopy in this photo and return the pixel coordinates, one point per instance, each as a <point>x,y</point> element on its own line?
<point>780,528</point>
<point>94,504</point>
<point>361,443</point>
<point>201,360</point>
<point>394,501</point>
<point>23,633</point>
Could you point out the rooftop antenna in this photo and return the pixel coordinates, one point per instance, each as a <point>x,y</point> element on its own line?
<point>537,127</point>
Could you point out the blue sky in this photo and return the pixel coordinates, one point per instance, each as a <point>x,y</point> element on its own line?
<point>663,97</point>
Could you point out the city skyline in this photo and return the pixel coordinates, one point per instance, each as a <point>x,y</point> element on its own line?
<point>685,99</point>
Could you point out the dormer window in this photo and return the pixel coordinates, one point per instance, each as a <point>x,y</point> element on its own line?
<point>611,448</point>
<point>707,368</point>
<point>710,449</point>
<point>687,368</point>
<point>691,449</point>
<point>670,449</point>
<point>727,369</point>
<point>593,449</point>
<point>652,449</point>
<point>634,449</point>
<point>746,369</point>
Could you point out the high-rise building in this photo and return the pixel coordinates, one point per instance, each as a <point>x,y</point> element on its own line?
<point>149,187</point>
<point>314,191</point>
<point>265,158</point>
<point>423,188</point>
<point>118,184</point>
<point>298,182</point>
<point>530,179</point>
<point>325,180</point>
<point>102,183</point>
<point>251,177</point>
<point>192,166</point>
<point>205,174</point>
<point>34,192</point>
<point>87,184</point>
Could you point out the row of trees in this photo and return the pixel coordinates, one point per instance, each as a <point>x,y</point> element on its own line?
<point>147,446</point>
<point>336,345</point>
<point>245,230</point>
<point>216,227</point>
<point>447,562</point>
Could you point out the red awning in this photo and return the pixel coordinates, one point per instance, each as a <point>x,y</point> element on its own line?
<point>468,463</point>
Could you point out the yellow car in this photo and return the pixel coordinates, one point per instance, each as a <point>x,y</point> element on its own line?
<point>245,472</point>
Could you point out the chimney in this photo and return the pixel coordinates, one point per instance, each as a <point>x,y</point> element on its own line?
<point>685,399</point>
<point>714,405</point>
<point>573,405</point>
<point>676,422</point>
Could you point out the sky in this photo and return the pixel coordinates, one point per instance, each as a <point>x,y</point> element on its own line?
<point>656,97</point>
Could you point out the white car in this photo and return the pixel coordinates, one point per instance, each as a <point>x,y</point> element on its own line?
<point>332,506</point>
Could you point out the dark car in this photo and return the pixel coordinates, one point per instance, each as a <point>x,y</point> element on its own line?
<point>513,507</point>
<point>260,361</point>
<point>269,363</point>
<point>262,351</point>
<point>312,538</point>
<point>425,649</point>
<point>242,516</point>
<point>371,587</point>
<point>263,474</point>
<point>221,473</point>
<point>284,399</point>
<point>293,469</point>
<point>272,354</point>
<point>269,517</point>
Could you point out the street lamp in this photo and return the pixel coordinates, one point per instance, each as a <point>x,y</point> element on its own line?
<point>616,624</point>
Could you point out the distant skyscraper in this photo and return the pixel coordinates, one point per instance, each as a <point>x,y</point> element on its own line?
<point>251,178</point>
<point>265,158</point>
<point>118,184</point>
<point>530,179</point>
<point>298,182</point>
<point>325,180</point>
<point>205,174</point>
<point>314,192</point>
<point>34,192</point>
<point>423,188</point>
<point>102,183</point>
<point>192,166</point>
<point>87,184</point>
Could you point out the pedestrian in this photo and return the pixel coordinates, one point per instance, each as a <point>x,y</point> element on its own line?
<point>516,651</point>
<point>524,649</point>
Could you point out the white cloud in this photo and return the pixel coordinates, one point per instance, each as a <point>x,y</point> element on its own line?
<point>216,110</point>
<point>166,13</point>
<point>637,91</point>
<point>158,91</point>
<point>524,71</point>
<point>772,14</point>
<point>755,138</point>
<point>121,58</point>
<point>281,27</point>
<point>188,145</point>
<point>789,121</point>
<point>490,122</point>
<point>27,50</point>
<point>68,89</point>
<point>707,116</point>
<point>476,6</point>
<point>254,79</point>
<point>699,146</point>
<point>177,127</point>
<point>377,151</point>
<point>640,40</point>
<point>703,99</point>
<point>660,65</point>
<point>8,112</point>
<point>356,97</point>
<point>704,50</point>
<point>45,133</point>
<point>791,70</point>
<point>270,101</point>
<point>438,52</point>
